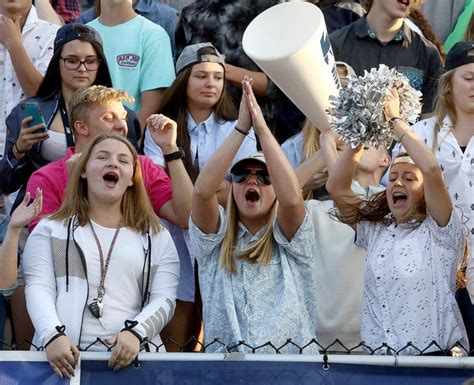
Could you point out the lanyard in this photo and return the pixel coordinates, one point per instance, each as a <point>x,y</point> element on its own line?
<point>96,306</point>
<point>65,119</point>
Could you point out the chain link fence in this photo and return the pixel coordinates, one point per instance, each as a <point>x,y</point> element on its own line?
<point>335,347</point>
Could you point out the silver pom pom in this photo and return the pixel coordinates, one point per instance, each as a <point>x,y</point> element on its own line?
<point>357,113</point>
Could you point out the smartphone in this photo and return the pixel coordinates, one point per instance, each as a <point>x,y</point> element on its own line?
<point>31,108</point>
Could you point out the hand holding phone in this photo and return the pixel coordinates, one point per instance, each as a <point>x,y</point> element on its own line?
<point>31,108</point>
<point>33,128</point>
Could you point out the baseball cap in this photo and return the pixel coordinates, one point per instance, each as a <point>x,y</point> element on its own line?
<point>348,69</point>
<point>198,53</point>
<point>461,53</point>
<point>69,32</point>
<point>255,157</point>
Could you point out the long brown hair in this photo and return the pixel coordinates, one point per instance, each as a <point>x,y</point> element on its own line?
<point>174,105</point>
<point>375,209</point>
<point>136,208</point>
<point>52,81</point>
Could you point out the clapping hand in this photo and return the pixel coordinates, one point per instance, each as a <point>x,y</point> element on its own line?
<point>26,211</point>
<point>163,131</point>
<point>258,121</point>
<point>245,119</point>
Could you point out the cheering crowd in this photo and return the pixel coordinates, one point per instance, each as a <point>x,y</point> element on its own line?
<point>158,189</point>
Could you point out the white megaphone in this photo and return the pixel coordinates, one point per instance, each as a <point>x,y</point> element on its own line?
<point>289,42</point>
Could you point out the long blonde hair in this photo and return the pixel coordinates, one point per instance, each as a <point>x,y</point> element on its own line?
<point>136,209</point>
<point>259,251</point>
<point>311,144</point>
<point>444,105</point>
<point>311,136</point>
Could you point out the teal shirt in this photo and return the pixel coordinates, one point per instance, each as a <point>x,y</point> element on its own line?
<point>138,56</point>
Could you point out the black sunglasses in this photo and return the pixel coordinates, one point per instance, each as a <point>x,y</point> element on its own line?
<point>243,175</point>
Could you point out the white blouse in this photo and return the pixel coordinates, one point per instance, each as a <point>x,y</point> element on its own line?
<point>458,172</point>
<point>409,282</point>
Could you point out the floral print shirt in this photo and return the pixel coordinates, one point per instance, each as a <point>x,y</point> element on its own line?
<point>409,284</point>
<point>37,37</point>
<point>258,304</point>
<point>458,172</point>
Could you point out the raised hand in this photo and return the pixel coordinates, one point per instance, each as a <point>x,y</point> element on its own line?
<point>163,131</point>
<point>28,136</point>
<point>391,106</point>
<point>258,121</point>
<point>62,355</point>
<point>26,212</point>
<point>245,119</point>
<point>125,350</point>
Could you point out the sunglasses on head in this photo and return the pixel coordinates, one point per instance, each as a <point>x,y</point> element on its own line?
<point>243,175</point>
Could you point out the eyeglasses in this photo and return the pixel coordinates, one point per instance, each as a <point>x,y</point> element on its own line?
<point>242,176</point>
<point>72,63</point>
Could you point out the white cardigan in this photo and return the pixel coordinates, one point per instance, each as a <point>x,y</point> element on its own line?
<point>57,289</point>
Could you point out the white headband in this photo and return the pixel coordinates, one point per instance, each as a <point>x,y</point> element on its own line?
<point>403,159</point>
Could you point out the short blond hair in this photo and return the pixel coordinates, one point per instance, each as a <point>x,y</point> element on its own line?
<point>86,97</point>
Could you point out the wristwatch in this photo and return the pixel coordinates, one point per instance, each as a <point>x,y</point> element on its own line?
<point>175,155</point>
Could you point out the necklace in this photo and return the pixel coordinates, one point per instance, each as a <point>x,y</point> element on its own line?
<point>96,307</point>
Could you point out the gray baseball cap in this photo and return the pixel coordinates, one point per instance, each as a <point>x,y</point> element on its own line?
<point>198,53</point>
<point>255,157</point>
